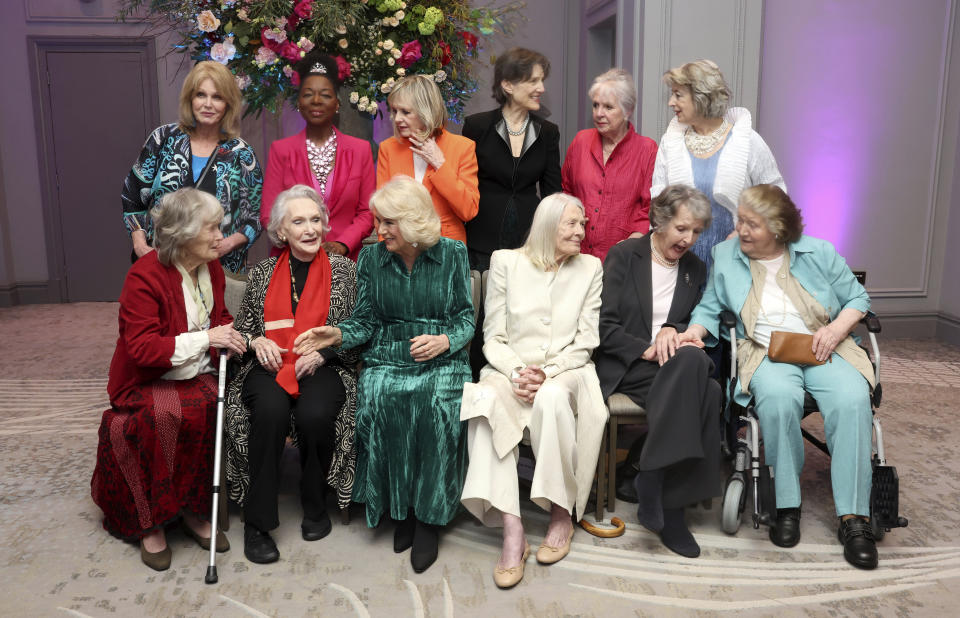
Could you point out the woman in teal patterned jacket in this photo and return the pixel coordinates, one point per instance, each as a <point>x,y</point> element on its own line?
<point>202,150</point>
<point>415,314</point>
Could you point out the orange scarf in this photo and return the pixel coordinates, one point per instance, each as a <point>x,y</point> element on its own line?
<point>279,322</point>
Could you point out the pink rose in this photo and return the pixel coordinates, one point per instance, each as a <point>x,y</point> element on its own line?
<point>410,53</point>
<point>303,9</point>
<point>343,67</point>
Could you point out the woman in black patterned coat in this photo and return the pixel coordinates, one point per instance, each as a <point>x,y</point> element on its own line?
<point>301,288</point>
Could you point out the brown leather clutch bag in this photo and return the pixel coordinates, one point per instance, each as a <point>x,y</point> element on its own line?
<point>795,348</point>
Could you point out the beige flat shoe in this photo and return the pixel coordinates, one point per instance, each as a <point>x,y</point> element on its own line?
<point>547,554</point>
<point>204,541</point>
<point>158,561</point>
<point>508,578</point>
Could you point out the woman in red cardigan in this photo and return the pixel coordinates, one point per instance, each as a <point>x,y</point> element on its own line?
<point>155,457</point>
<point>339,167</point>
<point>610,167</point>
<point>444,163</point>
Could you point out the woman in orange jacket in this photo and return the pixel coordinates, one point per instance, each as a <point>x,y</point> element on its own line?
<point>422,148</point>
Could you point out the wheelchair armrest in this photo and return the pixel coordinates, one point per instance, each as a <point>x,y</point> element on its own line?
<point>728,319</point>
<point>871,321</point>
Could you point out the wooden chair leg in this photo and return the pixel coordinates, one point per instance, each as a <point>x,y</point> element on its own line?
<point>612,467</point>
<point>345,516</point>
<point>601,477</point>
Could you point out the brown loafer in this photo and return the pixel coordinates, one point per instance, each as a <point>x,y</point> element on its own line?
<point>204,541</point>
<point>158,561</point>
<point>547,554</point>
<point>508,578</point>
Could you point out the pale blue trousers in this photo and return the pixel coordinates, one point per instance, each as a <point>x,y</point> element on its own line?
<point>843,396</point>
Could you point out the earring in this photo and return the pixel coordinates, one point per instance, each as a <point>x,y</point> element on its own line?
<point>414,244</point>
<point>283,239</point>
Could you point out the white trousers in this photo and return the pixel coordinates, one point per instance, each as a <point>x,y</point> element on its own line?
<point>492,486</point>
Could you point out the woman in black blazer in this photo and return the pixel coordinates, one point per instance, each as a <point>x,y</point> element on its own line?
<point>517,153</point>
<point>650,287</point>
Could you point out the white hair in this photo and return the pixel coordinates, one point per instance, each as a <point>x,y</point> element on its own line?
<point>279,211</point>
<point>620,84</point>
<point>541,245</point>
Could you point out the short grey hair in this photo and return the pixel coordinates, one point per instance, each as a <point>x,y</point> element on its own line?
<point>708,88</point>
<point>664,207</point>
<point>408,202</point>
<point>541,245</point>
<point>620,84</point>
<point>279,211</point>
<point>178,218</point>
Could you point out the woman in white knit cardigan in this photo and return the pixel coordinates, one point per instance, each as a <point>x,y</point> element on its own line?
<point>711,147</point>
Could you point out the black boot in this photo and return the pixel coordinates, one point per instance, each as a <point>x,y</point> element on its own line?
<point>426,542</point>
<point>676,536</point>
<point>649,486</point>
<point>403,535</point>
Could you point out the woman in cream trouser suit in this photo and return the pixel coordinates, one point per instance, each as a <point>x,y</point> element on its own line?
<point>541,327</point>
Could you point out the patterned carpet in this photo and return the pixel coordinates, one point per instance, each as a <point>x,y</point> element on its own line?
<point>57,560</point>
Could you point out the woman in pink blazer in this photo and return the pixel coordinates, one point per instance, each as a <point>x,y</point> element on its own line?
<point>338,166</point>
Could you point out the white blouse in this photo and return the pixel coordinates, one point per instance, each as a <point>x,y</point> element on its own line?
<point>777,311</point>
<point>190,357</point>
<point>664,281</point>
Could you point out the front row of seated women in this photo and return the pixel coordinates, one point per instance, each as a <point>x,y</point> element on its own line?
<point>393,439</point>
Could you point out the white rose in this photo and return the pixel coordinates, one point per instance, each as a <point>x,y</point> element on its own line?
<point>439,76</point>
<point>388,44</point>
<point>391,61</point>
<point>396,53</point>
<point>354,97</point>
<point>341,29</point>
<point>401,71</point>
<point>378,51</point>
<point>363,102</point>
<point>399,15</point>
<point>207,21</point>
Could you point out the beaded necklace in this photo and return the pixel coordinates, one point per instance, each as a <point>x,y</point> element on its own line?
<point>322,158</point>
<point>701,145</point>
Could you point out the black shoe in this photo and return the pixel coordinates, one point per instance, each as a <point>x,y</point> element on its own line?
<point>676,536</point>
<point>426,543</point>
<point>403,535</point>
<point>315,529</point>
<point>859,547</point>
<point>258,546</point>
<point>786,531</point>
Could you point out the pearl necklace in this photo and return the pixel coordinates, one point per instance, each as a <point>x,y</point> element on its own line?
<point>321,158</point>
<point>659,257</point>
<point>521,130</point>
<point>700,145</point>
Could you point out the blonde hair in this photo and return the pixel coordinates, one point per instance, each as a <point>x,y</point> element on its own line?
<point>178,219</point>
<point>708,88</point>
<point>620,84</point>
<point>541,245</point>
<point>422,95</point>
<point>774,206</point>
<point>226,86</point>
<point>408,202</point>
<point>279,211</point>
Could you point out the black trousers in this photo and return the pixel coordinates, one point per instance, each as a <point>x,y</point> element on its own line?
<point>314,414</point>
<point>683,415</point>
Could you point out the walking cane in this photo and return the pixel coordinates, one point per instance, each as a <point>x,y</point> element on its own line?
<point>211,577</point>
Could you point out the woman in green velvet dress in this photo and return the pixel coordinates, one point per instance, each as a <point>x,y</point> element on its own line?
<point>415,314</point>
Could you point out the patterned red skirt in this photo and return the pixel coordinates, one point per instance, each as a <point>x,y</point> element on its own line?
<point>155,456</point>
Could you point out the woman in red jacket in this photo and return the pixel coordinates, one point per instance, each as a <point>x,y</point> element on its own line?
<point>339,167</point>
<point>155,457</point>
<point>610,167</point>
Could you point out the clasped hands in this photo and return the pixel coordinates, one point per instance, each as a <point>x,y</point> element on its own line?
<point>270,356</point>
<point>666,344</point>
<point>527,382</point>
<point>422,347</point>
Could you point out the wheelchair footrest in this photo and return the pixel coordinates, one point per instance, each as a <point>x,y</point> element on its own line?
<point>885,498</point>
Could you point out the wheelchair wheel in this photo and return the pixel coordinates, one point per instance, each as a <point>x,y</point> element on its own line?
<point>733,500</point>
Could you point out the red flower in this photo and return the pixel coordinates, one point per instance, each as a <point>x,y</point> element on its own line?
<point>446,57</point>
<point>295,79</point>
<point>303,9</point>
<point>469,39</point>
<point>409,53</point>
<point>292,22</point>
<point>290,51</point>
<point>343,67</point>
<point>268,42</point>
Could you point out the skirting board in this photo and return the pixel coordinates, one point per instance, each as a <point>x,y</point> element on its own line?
<point>30,293</point>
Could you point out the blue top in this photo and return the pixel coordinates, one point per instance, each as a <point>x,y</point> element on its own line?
<point>815,264</point>
<point>704,174</point>
<point>198,164</point>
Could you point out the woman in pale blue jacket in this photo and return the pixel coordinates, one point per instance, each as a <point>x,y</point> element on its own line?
<point>775,279</point>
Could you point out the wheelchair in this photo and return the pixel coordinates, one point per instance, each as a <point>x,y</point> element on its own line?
<point>751,476</point>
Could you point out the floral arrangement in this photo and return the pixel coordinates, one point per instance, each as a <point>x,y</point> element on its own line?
<point>375,42</point>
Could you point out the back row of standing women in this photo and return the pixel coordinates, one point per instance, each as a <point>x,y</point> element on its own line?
<point>485,184</point>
